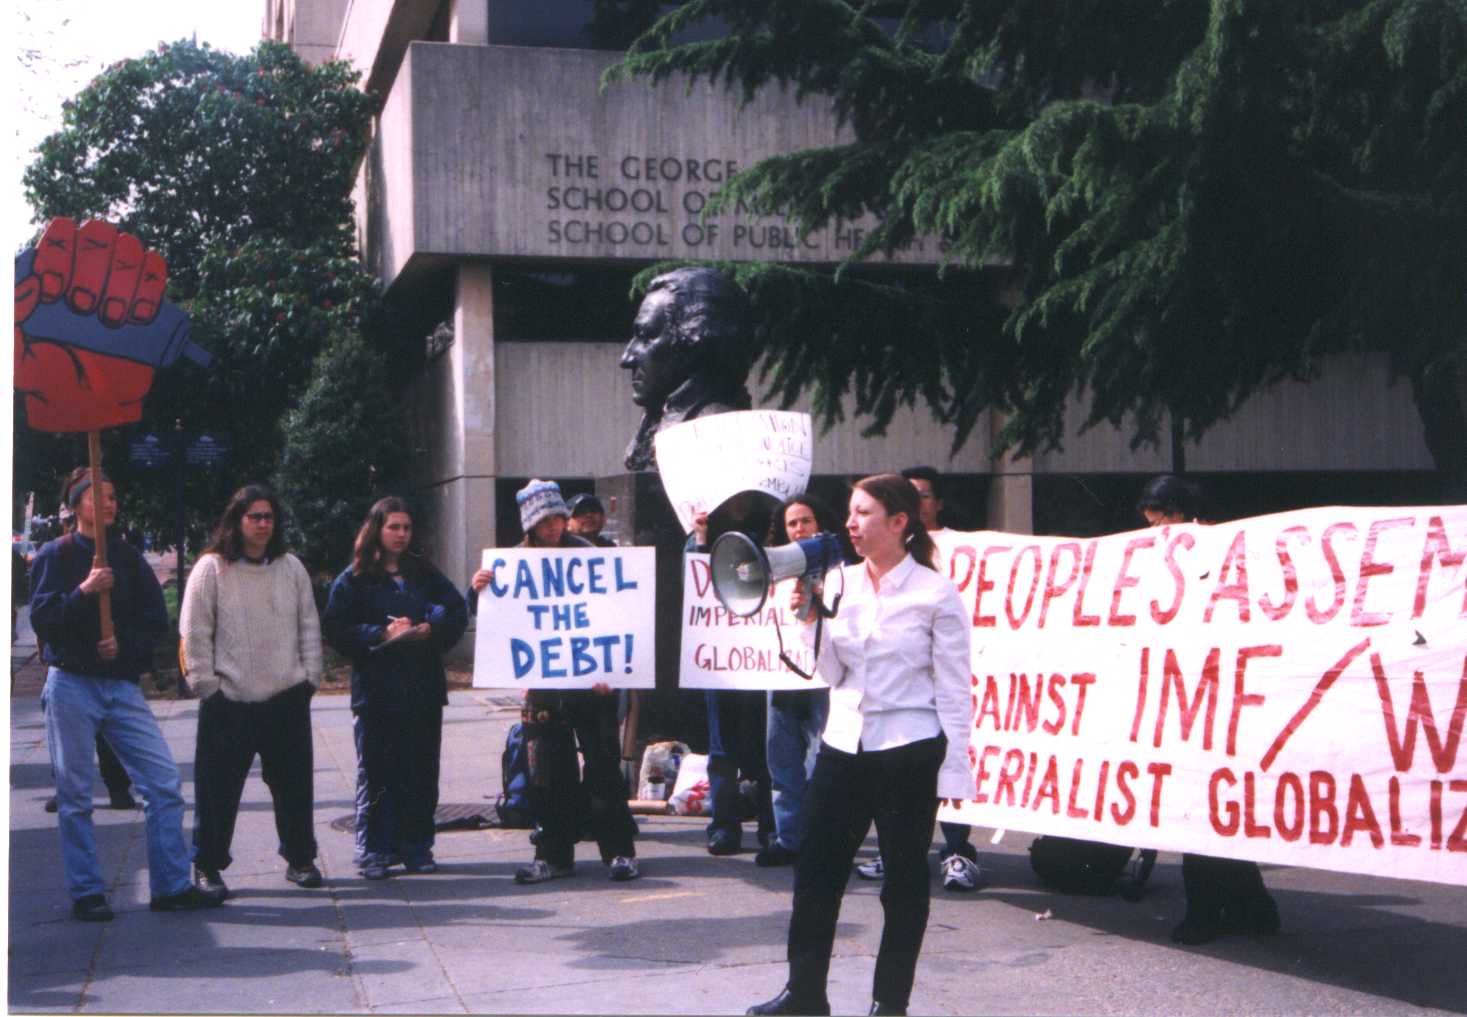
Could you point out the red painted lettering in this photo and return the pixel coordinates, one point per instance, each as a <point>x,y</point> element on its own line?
<point>1071,809</point>
<point>1241,698</point>
<point>1289,824</point>
<point>1179,581</point>
<point>1052,590</point>
<point>1317,614</point>
<point>1369,568</point>
<point>981,620</point>
<point>1232,579</point>
<point>1080,618</point>
<point>1016,620</point>
<point>1124,581</point>
<point>1013,765</point>
<point>1399,836</point>
<point>1320,688</point>
<point>1159,772</point>
<point>1403,744</point>
<point>1187,712</point>
<point>1082,683</point>
<point>1228,826</point>
<point>1279,611</point>
<point>1359,815</point>
<point>1125,773</point>
<point>1056,724</point>
<point>1251,828</point>
<point>1437,549</point>
<point>1322,806</point>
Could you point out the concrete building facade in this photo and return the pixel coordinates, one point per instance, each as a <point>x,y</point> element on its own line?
<point>508,196</point>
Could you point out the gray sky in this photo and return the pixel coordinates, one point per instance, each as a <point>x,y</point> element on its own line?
<point>62,44</point>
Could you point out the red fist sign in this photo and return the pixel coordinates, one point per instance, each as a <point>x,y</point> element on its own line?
<point>91,327</point>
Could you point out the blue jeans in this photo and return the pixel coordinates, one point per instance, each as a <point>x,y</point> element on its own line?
<point>796,721</point>
<point>77,710</point>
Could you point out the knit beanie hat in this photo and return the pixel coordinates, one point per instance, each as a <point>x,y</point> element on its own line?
<point>538,499</point>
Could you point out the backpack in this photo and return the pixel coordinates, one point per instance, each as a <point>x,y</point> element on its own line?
<point>513,805</point>
<point>1083,866</point>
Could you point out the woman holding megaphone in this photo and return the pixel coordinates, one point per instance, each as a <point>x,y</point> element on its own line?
<point>896,657</point>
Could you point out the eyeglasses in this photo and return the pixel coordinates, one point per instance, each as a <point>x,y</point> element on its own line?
<point>260,517</point>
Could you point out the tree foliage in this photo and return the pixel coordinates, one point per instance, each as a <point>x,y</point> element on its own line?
<point>325,462</point>
<point>1193,199</point>
<point>239,170</point>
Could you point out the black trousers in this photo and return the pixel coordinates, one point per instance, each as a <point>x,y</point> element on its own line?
<point>567,799</point>
<point>737,744</point>
<point>397,783</point>
<point>113,774</point>
<point>230,735</point>
<point>897,788</point>
<point>1219,888</point>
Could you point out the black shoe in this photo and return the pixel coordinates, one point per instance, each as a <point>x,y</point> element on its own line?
<point>210,883</point>
<point>773,855</point>
<point>425,868</point>
<point>880,1009</point>
<point>192,899</point>
<point>308,877</point>
<point>51,804</point>
<point>122,801</point>
<point>723,842</point>
<point>786,1003</point>
<point>91,908</point>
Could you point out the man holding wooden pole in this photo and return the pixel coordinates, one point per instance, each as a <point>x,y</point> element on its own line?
<point>92,688</point>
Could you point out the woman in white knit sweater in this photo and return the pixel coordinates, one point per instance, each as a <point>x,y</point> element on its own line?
<point>252,651</point>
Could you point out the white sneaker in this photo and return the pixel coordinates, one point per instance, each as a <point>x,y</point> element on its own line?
<point>540,870</point>
<point>960,874</point>
<point>872,870</point>
<point>623,869</point>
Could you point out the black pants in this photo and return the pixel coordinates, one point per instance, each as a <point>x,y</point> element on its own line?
<point>397,783</point>
<point>898,789</point>
<point>1219,889</point>
<point>737,745</point>
<point>113,774</point>
<point>567,799</point>
<point>230,735</point>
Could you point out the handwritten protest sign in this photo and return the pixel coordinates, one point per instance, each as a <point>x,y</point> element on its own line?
<point>567,618</point>
<point>706,461</point>
<point>1290,688</point>
<point>723,651</point>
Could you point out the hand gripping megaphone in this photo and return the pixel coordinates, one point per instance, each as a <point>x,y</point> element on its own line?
<point>743,571</point>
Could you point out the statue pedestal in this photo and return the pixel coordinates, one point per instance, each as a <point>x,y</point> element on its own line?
<point>638,513</point>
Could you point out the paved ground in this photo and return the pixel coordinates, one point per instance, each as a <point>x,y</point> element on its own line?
<point>695,935</point>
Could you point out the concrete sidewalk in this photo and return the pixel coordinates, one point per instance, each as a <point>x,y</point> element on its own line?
<point>695,935</point>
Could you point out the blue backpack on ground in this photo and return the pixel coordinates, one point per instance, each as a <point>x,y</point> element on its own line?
<point>513,806</point>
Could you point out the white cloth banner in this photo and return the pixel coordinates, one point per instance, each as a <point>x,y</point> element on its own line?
<point>707,460</point>
<point>1290,688</point>
<point>567,618</point>
<point>723,651</point>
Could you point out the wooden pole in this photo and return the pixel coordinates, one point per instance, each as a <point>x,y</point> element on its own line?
<point>99,526</point>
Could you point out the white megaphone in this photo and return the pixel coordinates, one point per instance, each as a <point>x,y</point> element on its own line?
<point>743,571</point>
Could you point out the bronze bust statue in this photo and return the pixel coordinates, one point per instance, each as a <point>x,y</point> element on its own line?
<point>687,354</point>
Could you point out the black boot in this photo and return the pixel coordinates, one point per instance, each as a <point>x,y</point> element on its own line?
<point>880,1009</point>
<point>787,1003</point>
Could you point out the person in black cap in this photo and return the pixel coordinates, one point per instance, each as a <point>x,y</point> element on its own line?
<point>587,517</point>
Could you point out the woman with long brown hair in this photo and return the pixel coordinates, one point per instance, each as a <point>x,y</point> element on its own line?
<point>394,615</point>
<point>897,660</point>
<point>252,650</point>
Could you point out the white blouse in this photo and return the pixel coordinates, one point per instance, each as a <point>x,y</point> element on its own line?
<point>898,664</point>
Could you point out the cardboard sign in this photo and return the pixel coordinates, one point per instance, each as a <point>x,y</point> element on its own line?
<point>1289,688</point>
<point>567,618</point>
<point>706,461</point>
<point>723,651</point>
